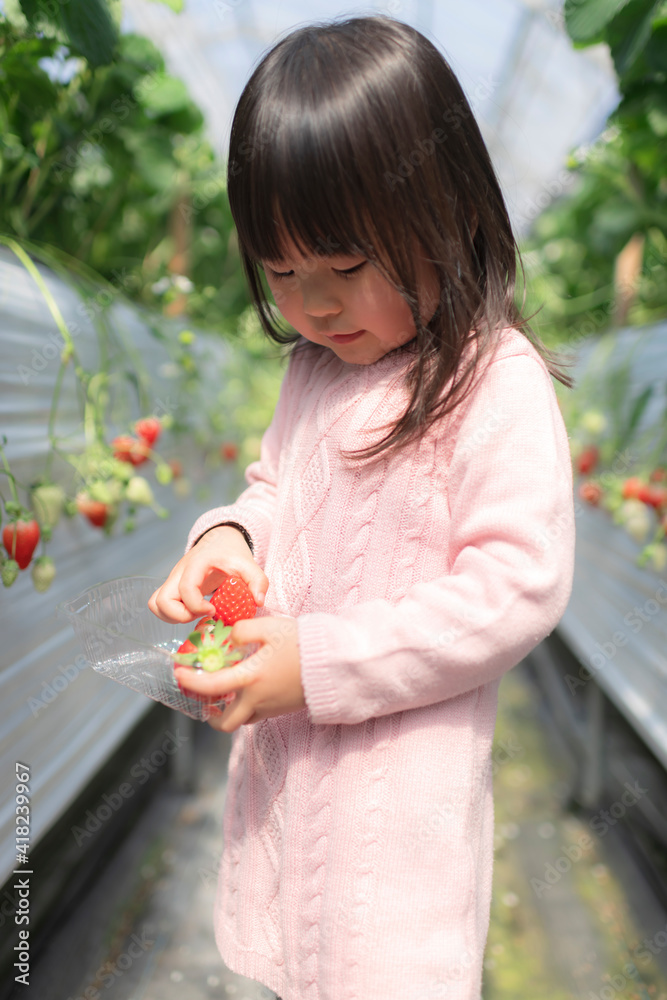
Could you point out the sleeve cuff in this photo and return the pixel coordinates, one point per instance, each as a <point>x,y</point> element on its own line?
<point>253,522</point>
<point>319,692</point>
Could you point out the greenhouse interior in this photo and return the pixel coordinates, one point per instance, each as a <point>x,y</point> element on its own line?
<point>442,771</point>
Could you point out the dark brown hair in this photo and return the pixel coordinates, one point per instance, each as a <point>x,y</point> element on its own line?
<point>355,137</point>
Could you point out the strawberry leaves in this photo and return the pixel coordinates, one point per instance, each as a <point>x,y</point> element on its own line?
<point>212,650</point>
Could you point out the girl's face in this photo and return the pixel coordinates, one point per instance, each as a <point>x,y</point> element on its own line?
<point>344,303</point>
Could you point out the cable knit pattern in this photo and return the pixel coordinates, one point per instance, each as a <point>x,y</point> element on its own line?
<point>358,832</point>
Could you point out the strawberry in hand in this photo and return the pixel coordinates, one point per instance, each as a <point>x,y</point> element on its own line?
<point>233,601</point>
<point>208,648</point>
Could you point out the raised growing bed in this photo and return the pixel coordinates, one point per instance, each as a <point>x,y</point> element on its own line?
<point>610,647</point>
<point>56,714</point>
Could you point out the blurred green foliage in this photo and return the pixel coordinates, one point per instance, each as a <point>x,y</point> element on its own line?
<point>619,185</point>
<point>103,157</point>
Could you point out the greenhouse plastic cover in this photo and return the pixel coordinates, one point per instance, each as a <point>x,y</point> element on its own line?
<point>535,97</point>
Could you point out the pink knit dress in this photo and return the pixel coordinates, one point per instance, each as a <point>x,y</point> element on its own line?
<point>358,832</point>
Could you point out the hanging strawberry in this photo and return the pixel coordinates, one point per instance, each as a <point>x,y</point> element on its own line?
<point>48,501</point>
<point>590,492</point>
<point>10,570</point>
<point>20,539</point>
<point>148,429</point>
<point>129,449</point>
<point>43,573</point>
<point>96,511</point>
<point>229,451</point>
<point>587,460</point>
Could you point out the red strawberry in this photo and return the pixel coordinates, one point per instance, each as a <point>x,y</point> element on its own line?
<point>129,449</point>
<point>658,475</point>
<point>187,647</point>
<point>206,624</point>
<point>20,538</point>
<point>654,496</point>
<point>148,429</point>
<point>96,512</point>
<point>632,488</point>
<point>233,601</point>
<point>229,451</point>
<point>590,492</point>
<point>587,460</point>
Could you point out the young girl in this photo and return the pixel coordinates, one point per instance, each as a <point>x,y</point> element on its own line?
<point>408,529</point>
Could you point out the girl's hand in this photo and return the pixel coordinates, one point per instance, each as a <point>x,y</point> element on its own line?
<point>221,552</point>
<point>268,683</point>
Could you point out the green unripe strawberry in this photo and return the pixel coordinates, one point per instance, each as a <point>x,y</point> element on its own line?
<point>10,570</point>
<point>164,474</point>
<point>48,502</point>
<point>138,491</point>
<point>43,573</point>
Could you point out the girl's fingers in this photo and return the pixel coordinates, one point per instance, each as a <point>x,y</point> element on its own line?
<point>191,595</point>
<point>218,683</point>
<point>258,583</point>
<point>169,608</point>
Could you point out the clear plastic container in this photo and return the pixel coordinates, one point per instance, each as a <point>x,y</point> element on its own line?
<point>125,641</point>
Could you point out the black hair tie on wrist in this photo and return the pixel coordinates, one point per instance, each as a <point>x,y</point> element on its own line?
<point>231,524</point>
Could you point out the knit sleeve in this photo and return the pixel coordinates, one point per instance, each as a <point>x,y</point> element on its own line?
<point>511,564</point>
<point>254,508</point>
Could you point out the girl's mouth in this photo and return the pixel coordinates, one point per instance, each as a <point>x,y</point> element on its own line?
<point>345,338</point>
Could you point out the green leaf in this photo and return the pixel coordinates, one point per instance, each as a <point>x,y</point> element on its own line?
<point>584,19</point>
<point>90,28</point>
<point>32,11</point>
<point>637,410</point>
<point>140,52</point>
<point>656,48</point>
<point>161,94</point>
<point>630,32</point>
<point>196,639</point>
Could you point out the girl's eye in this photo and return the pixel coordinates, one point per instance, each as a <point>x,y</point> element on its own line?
<point>351,270</point>
<point>347,273</point>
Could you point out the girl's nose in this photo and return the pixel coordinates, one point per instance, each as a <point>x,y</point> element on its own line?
<point>320,300</point>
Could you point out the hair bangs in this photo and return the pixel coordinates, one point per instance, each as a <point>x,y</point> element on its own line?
<point>294,186</point>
